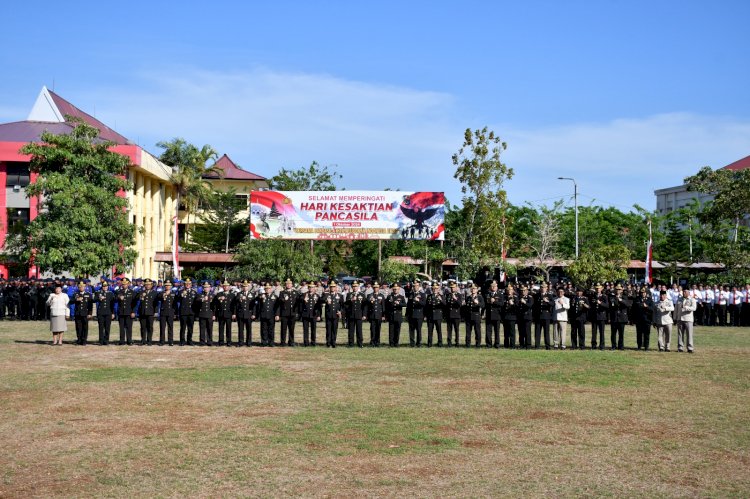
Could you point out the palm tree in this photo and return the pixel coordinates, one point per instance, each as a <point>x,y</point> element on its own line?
<point>189,166</point>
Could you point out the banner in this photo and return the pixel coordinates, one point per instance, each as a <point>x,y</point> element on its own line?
<point>347,215</point>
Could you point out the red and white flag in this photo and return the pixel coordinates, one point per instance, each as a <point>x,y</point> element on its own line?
<point>175,250</point>
<point>650,256</point>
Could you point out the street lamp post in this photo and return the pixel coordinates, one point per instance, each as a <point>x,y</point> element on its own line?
<point>575,199</point>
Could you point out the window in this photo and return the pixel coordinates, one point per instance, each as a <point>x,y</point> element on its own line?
<point>17,219</point>
<point>17,174</point>
<point>241,198</point>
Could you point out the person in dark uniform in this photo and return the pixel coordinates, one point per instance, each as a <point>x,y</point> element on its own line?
<point>105,311</point>
<point>543,304</point>
<point>355,313</point>
<point>525,316</point>
<point>492,316</point>
<point>333,305</point>
<point>415,314</point>
<point>509,306</point>
<point>287,302</point>
<point>126,299</point>
<point>185,299</point>
<point>308,310</point>
<point>146,309</point>
<point>244,311</point>
<point>643,307</point>
<point>83,308</point>
<point>434,313</point>
<point>599,309</point>
<point>267,309</point>
<point>454,302</point>
<point>375,314</point>
<point>394,307</point>
<point>167,310</point>
<point>222,305</point>
<point>204,310</point>
<point>620,305</point>
<point>579,311</point>
<point>474,306</point>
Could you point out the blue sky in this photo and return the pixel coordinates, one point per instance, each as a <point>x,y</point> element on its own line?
<point>626,97</point>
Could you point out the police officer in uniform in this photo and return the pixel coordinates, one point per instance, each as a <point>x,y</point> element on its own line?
<point>167,308</point>
<point>453,306</point>
<point>83,307</point>
<point>525,316</point>
<point>333,305</point>
<point>394,307</point>
<point>222,305</point>
<point>308,310</point>
<point>474,306</point>
<point>206,314</point>
<point>643,306</point>
<point>267,312</point>
<point>185,300</point>
<point>105,313</point>
<point>620,305</point>
<point>543,304</point>
<point>599,309</point>
<point>244,311</point>
<point>355,313</point>
<point>579,310</point>
<point>509,305</point>
<point>375,314</point>
<point>492,316</point>
<point>125,303</point>
<point>287,303</point>
<point>146,309</point>
<point>434,312</point>
<point>415,313</point>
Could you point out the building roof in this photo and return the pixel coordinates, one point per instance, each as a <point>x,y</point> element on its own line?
<point>740,164</point>
<point>165,256</point>
<point>50,107</point>
<point>231,171</point>
<point>30,131</point>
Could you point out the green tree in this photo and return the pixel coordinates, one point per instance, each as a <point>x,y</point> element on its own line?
<point>392,271</point>
<point>82,226</point>
<point>482,175</point>
<point>726,241</point>
<point>313,178</point>
<point>274,259</point>
<point>220,230</point>
<point>189,166</point>
<point>607,263</point>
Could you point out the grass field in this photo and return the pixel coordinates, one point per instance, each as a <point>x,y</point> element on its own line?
<point>182,421</point>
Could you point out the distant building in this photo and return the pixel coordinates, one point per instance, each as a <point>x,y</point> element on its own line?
<point>152,202</point>
<point>228,176</point>
<point>674,198</point>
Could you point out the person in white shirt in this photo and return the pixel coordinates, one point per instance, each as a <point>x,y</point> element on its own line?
<point>709,298</point>
<point>663,320</point>
<point>561,307</point>
<point>722,299</point>
<point>686,305</point>
<point>745,310</point>
<point>734,303</point>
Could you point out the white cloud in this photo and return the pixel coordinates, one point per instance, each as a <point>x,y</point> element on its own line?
<point>623,161</point>
<point>378,136</point>
<point>386,136</point>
